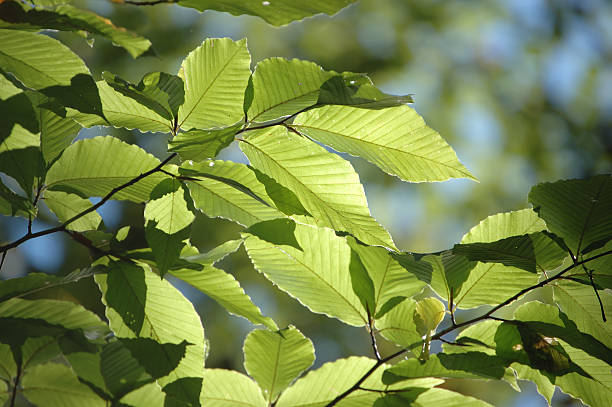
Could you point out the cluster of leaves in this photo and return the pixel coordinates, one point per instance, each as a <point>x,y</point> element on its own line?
<point>307,229</point>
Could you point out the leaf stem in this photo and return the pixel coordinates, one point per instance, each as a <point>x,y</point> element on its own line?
<point>145,3</point>
<point>62,227</point>
<point>486,315</point>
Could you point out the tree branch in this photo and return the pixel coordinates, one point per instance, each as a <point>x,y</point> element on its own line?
<point>486,315</point>
<point>145,3</point>
<point>62,227</point>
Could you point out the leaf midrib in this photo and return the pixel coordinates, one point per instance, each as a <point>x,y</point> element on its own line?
<point>376,145</point>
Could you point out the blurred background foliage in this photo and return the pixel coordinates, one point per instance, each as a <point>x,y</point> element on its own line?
<point>522,89</point>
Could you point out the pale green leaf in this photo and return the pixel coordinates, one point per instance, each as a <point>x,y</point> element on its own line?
<point>56,133</point>
<point>199,145</point>
<point>579,303</point>
<point>275,359</point>
<point>321,386</point>
<point>389,278</point>
<point>36,281</point>
<point>312,265</point>
<point>55,385</point>
<point>396,139</point>
<point>168,207</point>
<point>226,290</point>
<point>55,312</point>
<point>491,283</point>
<point>8,367</point>
<point>398,325</point>
<point>149,395</point>
<point>37,60</point>
<point>284,87</point>
<point>159,91</point>
<point>214,255</point>
<point>65,206</point>
<point>279,12</point>
<point>326,185</point>
<point>183,323</point>
<point>428,313</point>
<point>68,18</point>
<point>229,190</point>
<point>122,111</point>
<point>227,388</point>
<point>215,75</point>
<point>93,167</point>
<point>579,211</point>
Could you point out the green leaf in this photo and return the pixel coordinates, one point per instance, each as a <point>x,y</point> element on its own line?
<point>38,61</point>
<point>215,255</point>
<point>12,204</point>
<point>65,314</point>
<point>21,158</point>
<point>398,325</point>
<point>183,392</point>
<point>121,371</point>
<point>395,139</point>
<point>535,252</point>
<point>182,324</point>
<point>215,75</point>
<point>284,87</point>
<point>578,211</point>
<point>199,145</point>
<point>122,111</point>
<point>126,293</point>
<point>159,91</point>
<point>166,248</point>
<point>428,313</point>
<point>580,304</point>
<point>226,290</point>
<point>449,272</point>
<point>321,386</point>
<point>275,359</point>
<point>432,397</point>
<point>37,281</point>
<point>17,109</point>
<point>158,359</point>
<point>68,18</point>
<point>56,133</point>
<point>357,89</point>
<point>229,190</point>
<point>149,395</point>
<point>317,275</point>
<point>93,167</point>
<point>326,185</point>
<point>65,206</point>
<point>491,283</point>
<point>390,280</point>
<point>277,13</point>
<point>471,365</point>
<point>228,388</point>
<point>55,385</point>
<point>8,367</point>
<point>168,207</point>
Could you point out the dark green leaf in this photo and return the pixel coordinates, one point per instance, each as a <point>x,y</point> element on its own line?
<point>579,211</point>
<point>127,293</point>
<point>184,392</point>
<point>159,91</point>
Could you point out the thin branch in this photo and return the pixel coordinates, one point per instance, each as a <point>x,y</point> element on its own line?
<point>453,343</point>
<point>601,307</point>
<point>145,3</point>
<point>2,261</point>
<point>486,315</point>
<point>451,297</point>
<point>372,335</point>
<point>60,228</point>
<point>79,238</point>
<point>15,385</point>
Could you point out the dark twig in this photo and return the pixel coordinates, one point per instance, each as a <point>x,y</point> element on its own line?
<point>487,315</point>
<point>2,261</point>
<point>60,228</point>
<point>15,385</point>
<point>146,3</point>
<point>601,307</point>
<point>372,335</point>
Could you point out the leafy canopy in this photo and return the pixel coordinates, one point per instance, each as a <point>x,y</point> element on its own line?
<point>306,227</point>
